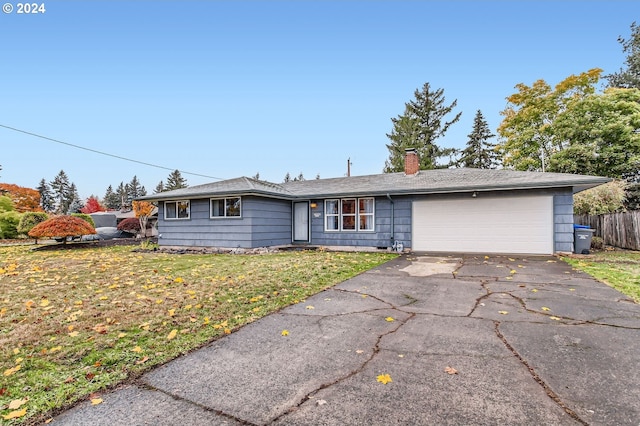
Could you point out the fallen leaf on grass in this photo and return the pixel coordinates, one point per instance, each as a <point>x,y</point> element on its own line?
<point>10,371</point>
<point>143,360</point>
<point>15,414</point>
<point>450,370</point>
<point>172,334</point>
<point>17,403</point>
<point>384,379</point>
<point>137,349</point>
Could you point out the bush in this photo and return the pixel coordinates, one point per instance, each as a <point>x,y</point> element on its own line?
<point>597,243</point>
<point>62,227</point>
<point>86,217</point>
<point>9,224</point>
<point>607,198</point>
<point>6,205</point>
<point>29,220</point>
<point>130,224</point>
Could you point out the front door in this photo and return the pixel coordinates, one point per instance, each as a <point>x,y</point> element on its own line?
<point>301,222</point>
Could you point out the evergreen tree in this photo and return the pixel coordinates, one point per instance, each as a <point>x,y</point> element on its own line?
<point>479,153</point>
<point>111,200</point>
<point>60,191</point>
<point>257,176</point>
<point>46,197</point>
<point>421,124</point>
<point>300,177</point>
<point>72,201</point>
<point>175,181</point>
<point>629,77</point>
<point>159,188</point>
<point>122,192</point>
<point>287,177</point>
<point>134,190</point>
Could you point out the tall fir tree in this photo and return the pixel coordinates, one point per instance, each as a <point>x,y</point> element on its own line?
<point>122,193</point>
<point>73,202</point>
<point>159,188</point>
<point>421,124</point>
<point>60,192</point>
<point>175,181</point>
<point>46,197</point>
<point>135,190</point>
<point>628,77</point>
<point>479,152</point>
<point>111,200</point>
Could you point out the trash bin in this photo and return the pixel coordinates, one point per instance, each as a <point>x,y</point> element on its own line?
<point>582,239</point>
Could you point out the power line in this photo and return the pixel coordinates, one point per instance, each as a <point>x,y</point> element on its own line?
<point>105,153</point>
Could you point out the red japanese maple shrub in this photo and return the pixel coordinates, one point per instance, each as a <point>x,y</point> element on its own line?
<point>62,227</point>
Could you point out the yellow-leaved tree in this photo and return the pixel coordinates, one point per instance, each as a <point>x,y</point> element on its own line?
<point>142,210</point>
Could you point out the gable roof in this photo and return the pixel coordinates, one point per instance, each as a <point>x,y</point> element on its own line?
<point>437,181</point>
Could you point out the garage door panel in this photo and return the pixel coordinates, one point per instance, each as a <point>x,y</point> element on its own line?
<point>491,225</point>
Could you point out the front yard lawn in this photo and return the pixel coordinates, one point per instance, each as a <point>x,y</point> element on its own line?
<point>73,322</point>
<point>618,268</point>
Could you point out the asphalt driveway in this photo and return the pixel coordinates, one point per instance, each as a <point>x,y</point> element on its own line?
<point>465,340</point>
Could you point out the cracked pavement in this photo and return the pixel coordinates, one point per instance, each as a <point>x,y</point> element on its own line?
<point>532,341</point>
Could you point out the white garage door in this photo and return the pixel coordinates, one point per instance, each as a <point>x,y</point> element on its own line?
<point>484,225</point>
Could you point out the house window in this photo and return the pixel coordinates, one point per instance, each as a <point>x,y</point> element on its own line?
<point>349,214</point>
<point>365,214</point>
<point>332,215</point>
<point>176,210</point>
<point>226,207</point>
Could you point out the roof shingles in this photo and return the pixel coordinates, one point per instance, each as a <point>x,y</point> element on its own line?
<point>424,182</point>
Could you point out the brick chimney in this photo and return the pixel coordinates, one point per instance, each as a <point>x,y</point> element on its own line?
<point>411,162</point>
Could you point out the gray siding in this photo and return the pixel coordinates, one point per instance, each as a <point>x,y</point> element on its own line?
<point>379,237</point>
<point>268,222</point>
<point>264,222</point>
<point>563,220</point>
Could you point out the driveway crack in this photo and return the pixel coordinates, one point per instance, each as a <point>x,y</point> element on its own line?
<point>550,393</point>
<point>188,401</point>
<point>374,353</point>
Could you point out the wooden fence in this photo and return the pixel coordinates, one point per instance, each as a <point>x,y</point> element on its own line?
<point>616,229</point>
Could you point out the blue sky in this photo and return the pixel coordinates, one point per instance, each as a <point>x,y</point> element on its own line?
<point>234,88</point>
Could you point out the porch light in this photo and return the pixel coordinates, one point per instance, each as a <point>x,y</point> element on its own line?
<point>475,194</point>
<point>313,205</point>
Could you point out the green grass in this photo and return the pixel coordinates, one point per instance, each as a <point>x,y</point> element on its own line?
<point>79,321</point>
<point>619,269</point>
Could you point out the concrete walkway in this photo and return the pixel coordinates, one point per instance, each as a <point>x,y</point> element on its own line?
<point>465,340</point>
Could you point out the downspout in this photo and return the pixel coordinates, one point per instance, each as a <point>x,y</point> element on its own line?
<point>393,225</point>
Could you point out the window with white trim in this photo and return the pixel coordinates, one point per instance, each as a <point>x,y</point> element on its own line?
<point>349,214</point>
<point>174,210</point>
<point>226,207</point>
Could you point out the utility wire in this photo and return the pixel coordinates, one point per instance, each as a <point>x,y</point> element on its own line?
<point>105,153</point>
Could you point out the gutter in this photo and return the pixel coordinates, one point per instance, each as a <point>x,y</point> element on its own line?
<point>393,225</point>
